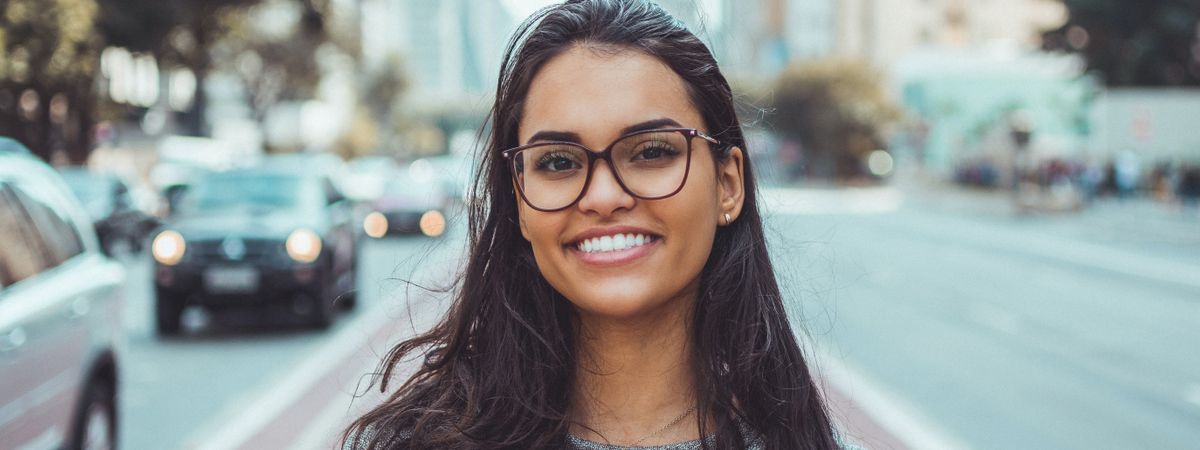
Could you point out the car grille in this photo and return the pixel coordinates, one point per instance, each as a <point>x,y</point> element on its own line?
<point>257,251</point>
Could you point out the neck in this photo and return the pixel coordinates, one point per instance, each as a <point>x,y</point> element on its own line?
<point>634,377</point>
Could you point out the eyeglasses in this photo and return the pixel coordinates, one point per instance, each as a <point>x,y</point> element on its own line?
<point>650,165</point>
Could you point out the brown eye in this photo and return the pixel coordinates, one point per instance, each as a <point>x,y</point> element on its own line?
<point>557,162</point>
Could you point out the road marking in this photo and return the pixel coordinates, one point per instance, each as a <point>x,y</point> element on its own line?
<point>874,200</point>
<point>317,433</point>
<point>245,418</point>
<point>895,415</point>
<point>1192,394</point>
<point>1059,249</point>
<point>995,318</point>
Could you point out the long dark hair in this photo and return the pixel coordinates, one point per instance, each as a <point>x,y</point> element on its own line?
<point>498,370</point>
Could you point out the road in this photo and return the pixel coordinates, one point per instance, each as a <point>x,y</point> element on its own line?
<point>955,326</point>
<point>182,392</point>
<point>1003,332</point>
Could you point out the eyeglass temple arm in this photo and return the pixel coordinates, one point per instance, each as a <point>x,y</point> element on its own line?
<point>706,137</point>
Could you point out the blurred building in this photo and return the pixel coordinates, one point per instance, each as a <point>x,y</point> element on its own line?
<point>759,37</point>
<point>451,49</point>
<point>884,32</point>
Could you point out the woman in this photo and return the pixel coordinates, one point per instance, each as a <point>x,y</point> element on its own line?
<point>619,293</point>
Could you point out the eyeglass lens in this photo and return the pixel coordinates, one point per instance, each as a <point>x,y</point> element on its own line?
<point>650,165</point>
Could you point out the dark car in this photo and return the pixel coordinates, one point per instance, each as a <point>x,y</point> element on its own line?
<point>107,199</point>
<point>60,300</point>
<point>407,205</point>
<point>259,238</point>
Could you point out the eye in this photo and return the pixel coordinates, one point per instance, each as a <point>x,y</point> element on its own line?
<point>655,151</point>
<point>557,162</point>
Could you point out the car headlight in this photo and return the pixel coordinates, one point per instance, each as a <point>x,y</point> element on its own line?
<point>303,245</point>
<point>376,224</point>
<point>168,247</point>
<point>433,223</point>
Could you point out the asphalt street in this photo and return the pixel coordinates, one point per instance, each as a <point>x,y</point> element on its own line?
<point>180,392</point>
<point>1002,331</point>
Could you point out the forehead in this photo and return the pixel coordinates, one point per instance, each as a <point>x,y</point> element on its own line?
<point>595,92</point>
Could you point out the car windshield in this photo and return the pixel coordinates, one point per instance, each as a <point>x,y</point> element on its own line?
<point>407,190</point>
<point>264,192</point>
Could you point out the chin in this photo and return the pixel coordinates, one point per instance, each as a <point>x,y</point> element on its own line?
<point>623,303</point>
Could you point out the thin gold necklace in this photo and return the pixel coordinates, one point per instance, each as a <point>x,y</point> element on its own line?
<point>666,427</point>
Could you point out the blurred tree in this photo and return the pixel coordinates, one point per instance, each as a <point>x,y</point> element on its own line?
<point>201,35</point>
<point>49,56</point>
<point>1147,43</point>
<point>140,26</point>
<point>279,62</point>
<point>384,90</point>
<point>837,110</point>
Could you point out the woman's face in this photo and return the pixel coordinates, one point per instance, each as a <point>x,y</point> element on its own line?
<point>592,95</point>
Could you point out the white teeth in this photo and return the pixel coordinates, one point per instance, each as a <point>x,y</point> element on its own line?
<point>612,243</point>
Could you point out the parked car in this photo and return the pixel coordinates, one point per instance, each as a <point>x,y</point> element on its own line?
<point>60,300</point>
<point>258,238</point>
<point>107,199</point>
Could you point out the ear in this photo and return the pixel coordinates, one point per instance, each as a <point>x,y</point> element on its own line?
<point>730,184</point>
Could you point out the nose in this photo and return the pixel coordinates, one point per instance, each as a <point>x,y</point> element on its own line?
<point>604,195</point>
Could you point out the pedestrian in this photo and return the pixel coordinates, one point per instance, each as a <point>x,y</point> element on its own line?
<point>618,291</point>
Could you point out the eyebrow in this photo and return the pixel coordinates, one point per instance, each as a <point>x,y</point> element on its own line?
<point>568,136</point>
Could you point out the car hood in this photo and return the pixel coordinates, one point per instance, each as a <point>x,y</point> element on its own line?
<point>247,225</point>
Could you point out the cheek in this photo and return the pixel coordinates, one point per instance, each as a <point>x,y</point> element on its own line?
<point>542,230</point>
<point>691,217</point>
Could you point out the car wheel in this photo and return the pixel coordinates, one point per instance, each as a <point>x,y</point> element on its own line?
<point>96,420</point>
<point>323,309</point>
<point>322,312</point>
<point>167,312</point>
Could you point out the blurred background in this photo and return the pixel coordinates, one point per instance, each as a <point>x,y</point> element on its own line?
<point>218,214</point>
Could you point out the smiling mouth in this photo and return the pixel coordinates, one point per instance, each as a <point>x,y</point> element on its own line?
<point>614,243</point>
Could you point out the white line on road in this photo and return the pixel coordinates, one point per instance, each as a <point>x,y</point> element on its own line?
<point>897,416</point>
<point>1192,394</point>
<point>324,430</point>
<point>1067,250</point>
<point>243,419</point>
<point>995,318</point>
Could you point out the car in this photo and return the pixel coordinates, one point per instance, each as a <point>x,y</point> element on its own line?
<point>60,306</point>
<point>107,199</point>
<point>264,238</point>
<point>366,177</point>
<point>412,202</point>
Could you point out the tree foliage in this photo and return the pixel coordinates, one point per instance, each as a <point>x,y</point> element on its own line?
<point>49,56</point>
<point>275,66</point>
<point>837,110</point>
<point>1144,43</point>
